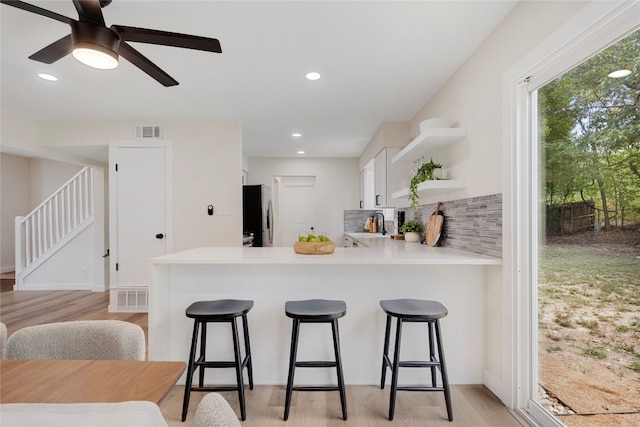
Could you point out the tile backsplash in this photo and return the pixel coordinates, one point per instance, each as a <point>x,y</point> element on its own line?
<point>473,225</point>
<point>354,220</point>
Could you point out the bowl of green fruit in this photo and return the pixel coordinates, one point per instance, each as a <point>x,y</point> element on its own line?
<point>314,245</point>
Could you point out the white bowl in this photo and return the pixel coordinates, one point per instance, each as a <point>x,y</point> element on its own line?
<point>434,123</point>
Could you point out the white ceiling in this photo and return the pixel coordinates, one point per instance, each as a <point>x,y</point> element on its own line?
<point>379,61</point>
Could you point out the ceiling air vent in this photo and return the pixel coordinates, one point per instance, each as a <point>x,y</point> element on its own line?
<point>147,132</point>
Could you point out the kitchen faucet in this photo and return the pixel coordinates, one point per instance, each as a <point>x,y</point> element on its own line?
<point>384,231</point>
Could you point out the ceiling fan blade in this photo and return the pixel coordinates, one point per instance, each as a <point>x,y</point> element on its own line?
<point>166,38</point>
<point>54,51</point>
<point>38,10</point>
<point>89,10</point>
<point>142,62</point>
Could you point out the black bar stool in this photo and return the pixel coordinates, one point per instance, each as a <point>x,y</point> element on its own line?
<point>422,311</point>
<point>225,310</point>
<point>315,311</point>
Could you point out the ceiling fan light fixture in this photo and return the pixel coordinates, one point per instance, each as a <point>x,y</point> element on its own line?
<point>95,46</point>
<point>96,58</point>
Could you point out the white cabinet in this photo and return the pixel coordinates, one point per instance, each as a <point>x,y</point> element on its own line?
<point>349,242</point>
<point>386,177</point>
<point>380,179</point>
<point>366,186</point>
<point>428,142</point>
<point>362,178</point>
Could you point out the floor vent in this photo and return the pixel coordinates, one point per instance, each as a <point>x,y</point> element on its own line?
<point>133,300</point>
<point>148,132</point>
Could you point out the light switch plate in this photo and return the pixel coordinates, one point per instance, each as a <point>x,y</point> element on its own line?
<point>224,211</point>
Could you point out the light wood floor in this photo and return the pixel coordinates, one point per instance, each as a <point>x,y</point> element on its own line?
<point>474,406</point>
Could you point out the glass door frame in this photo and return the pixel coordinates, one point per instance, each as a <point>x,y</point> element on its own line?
<point>595,27</point>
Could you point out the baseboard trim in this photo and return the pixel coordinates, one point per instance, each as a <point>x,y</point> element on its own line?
<point>494,384</point>
<point>60,287</point>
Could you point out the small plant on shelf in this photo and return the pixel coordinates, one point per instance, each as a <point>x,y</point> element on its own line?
<point>424,173</point>
<point>412,226</point>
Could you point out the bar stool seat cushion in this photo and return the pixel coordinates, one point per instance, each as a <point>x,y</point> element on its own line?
<point>315,309</point>
<point>219,309</point>
<point>414,309</point>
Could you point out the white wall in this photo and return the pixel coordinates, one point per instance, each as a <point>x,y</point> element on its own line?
<point>337,185</point>
<point>15,184</point>
<point>472,99</point>
<point>207,170</point>
<point>388,134</point>
<point>47,176</point>
<point>26,182</point>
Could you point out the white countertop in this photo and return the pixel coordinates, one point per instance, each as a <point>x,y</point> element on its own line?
<point>397,252</point>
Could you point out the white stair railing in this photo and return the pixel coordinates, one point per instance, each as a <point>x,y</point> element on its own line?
<point>53,223</point>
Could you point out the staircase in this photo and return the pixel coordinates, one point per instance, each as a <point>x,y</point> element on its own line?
<point>54,223</point>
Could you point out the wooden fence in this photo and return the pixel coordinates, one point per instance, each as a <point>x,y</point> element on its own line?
<point>571,217</point>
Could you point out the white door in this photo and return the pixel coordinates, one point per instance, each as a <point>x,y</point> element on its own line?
<point>297,208</point>
<point>139,201</point>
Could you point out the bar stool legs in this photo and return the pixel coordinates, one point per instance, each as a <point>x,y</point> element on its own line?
<point>416,311</point>
<point>218,311</point>
<point>336,350</point>
<point>315,311</point>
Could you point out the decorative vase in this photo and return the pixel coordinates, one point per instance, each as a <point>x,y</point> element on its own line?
<point>411,237</point>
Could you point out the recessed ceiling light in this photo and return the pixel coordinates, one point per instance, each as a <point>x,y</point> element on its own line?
<point>313,76</point>
<point>48,77</point>
<point>619,73</point>
<point>296,135</point>
<point>300,152</point>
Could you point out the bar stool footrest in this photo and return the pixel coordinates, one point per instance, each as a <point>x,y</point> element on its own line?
<point>316,388</point>
<point>315,364</point>
<point>215,388</point>
<point>417,388</point>
<point>220,364</point>
<point>418,364</point>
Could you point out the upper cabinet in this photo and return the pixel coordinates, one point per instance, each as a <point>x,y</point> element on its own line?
<point>366,185</point>
<point>428,142</point>
<point>386,177</point>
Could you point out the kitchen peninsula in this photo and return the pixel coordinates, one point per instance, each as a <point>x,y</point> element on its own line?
<point>359,276</point>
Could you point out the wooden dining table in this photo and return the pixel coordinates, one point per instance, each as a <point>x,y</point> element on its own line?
<point>86,381</point>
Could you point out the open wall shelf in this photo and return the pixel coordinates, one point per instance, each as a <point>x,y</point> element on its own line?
<point>432,187</point>
<point>428,142</point>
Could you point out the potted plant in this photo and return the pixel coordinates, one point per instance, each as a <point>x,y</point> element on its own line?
<point>411,230</point>
<point>424,173</point>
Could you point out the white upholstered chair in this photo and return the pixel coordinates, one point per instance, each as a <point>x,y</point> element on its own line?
<point>3,340</point>
<point>214,411</point>
<point>121,414</point>
<point>79,340</point>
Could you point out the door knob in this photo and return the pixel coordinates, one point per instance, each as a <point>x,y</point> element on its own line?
<point>159,236</point>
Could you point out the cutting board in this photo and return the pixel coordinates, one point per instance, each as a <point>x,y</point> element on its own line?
<point>434,227</point>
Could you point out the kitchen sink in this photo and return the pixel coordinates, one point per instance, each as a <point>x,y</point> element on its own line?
<point>368,235</point>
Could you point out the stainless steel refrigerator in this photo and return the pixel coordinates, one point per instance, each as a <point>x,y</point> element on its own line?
<point>257,214</point>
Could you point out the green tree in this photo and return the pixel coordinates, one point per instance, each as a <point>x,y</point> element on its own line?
<point>590,126</point>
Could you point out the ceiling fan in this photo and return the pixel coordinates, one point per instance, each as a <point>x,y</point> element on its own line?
<point>93,44</point>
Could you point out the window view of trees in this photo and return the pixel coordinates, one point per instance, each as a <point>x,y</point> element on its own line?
<point>588,286</point>
<point>590,135</point>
